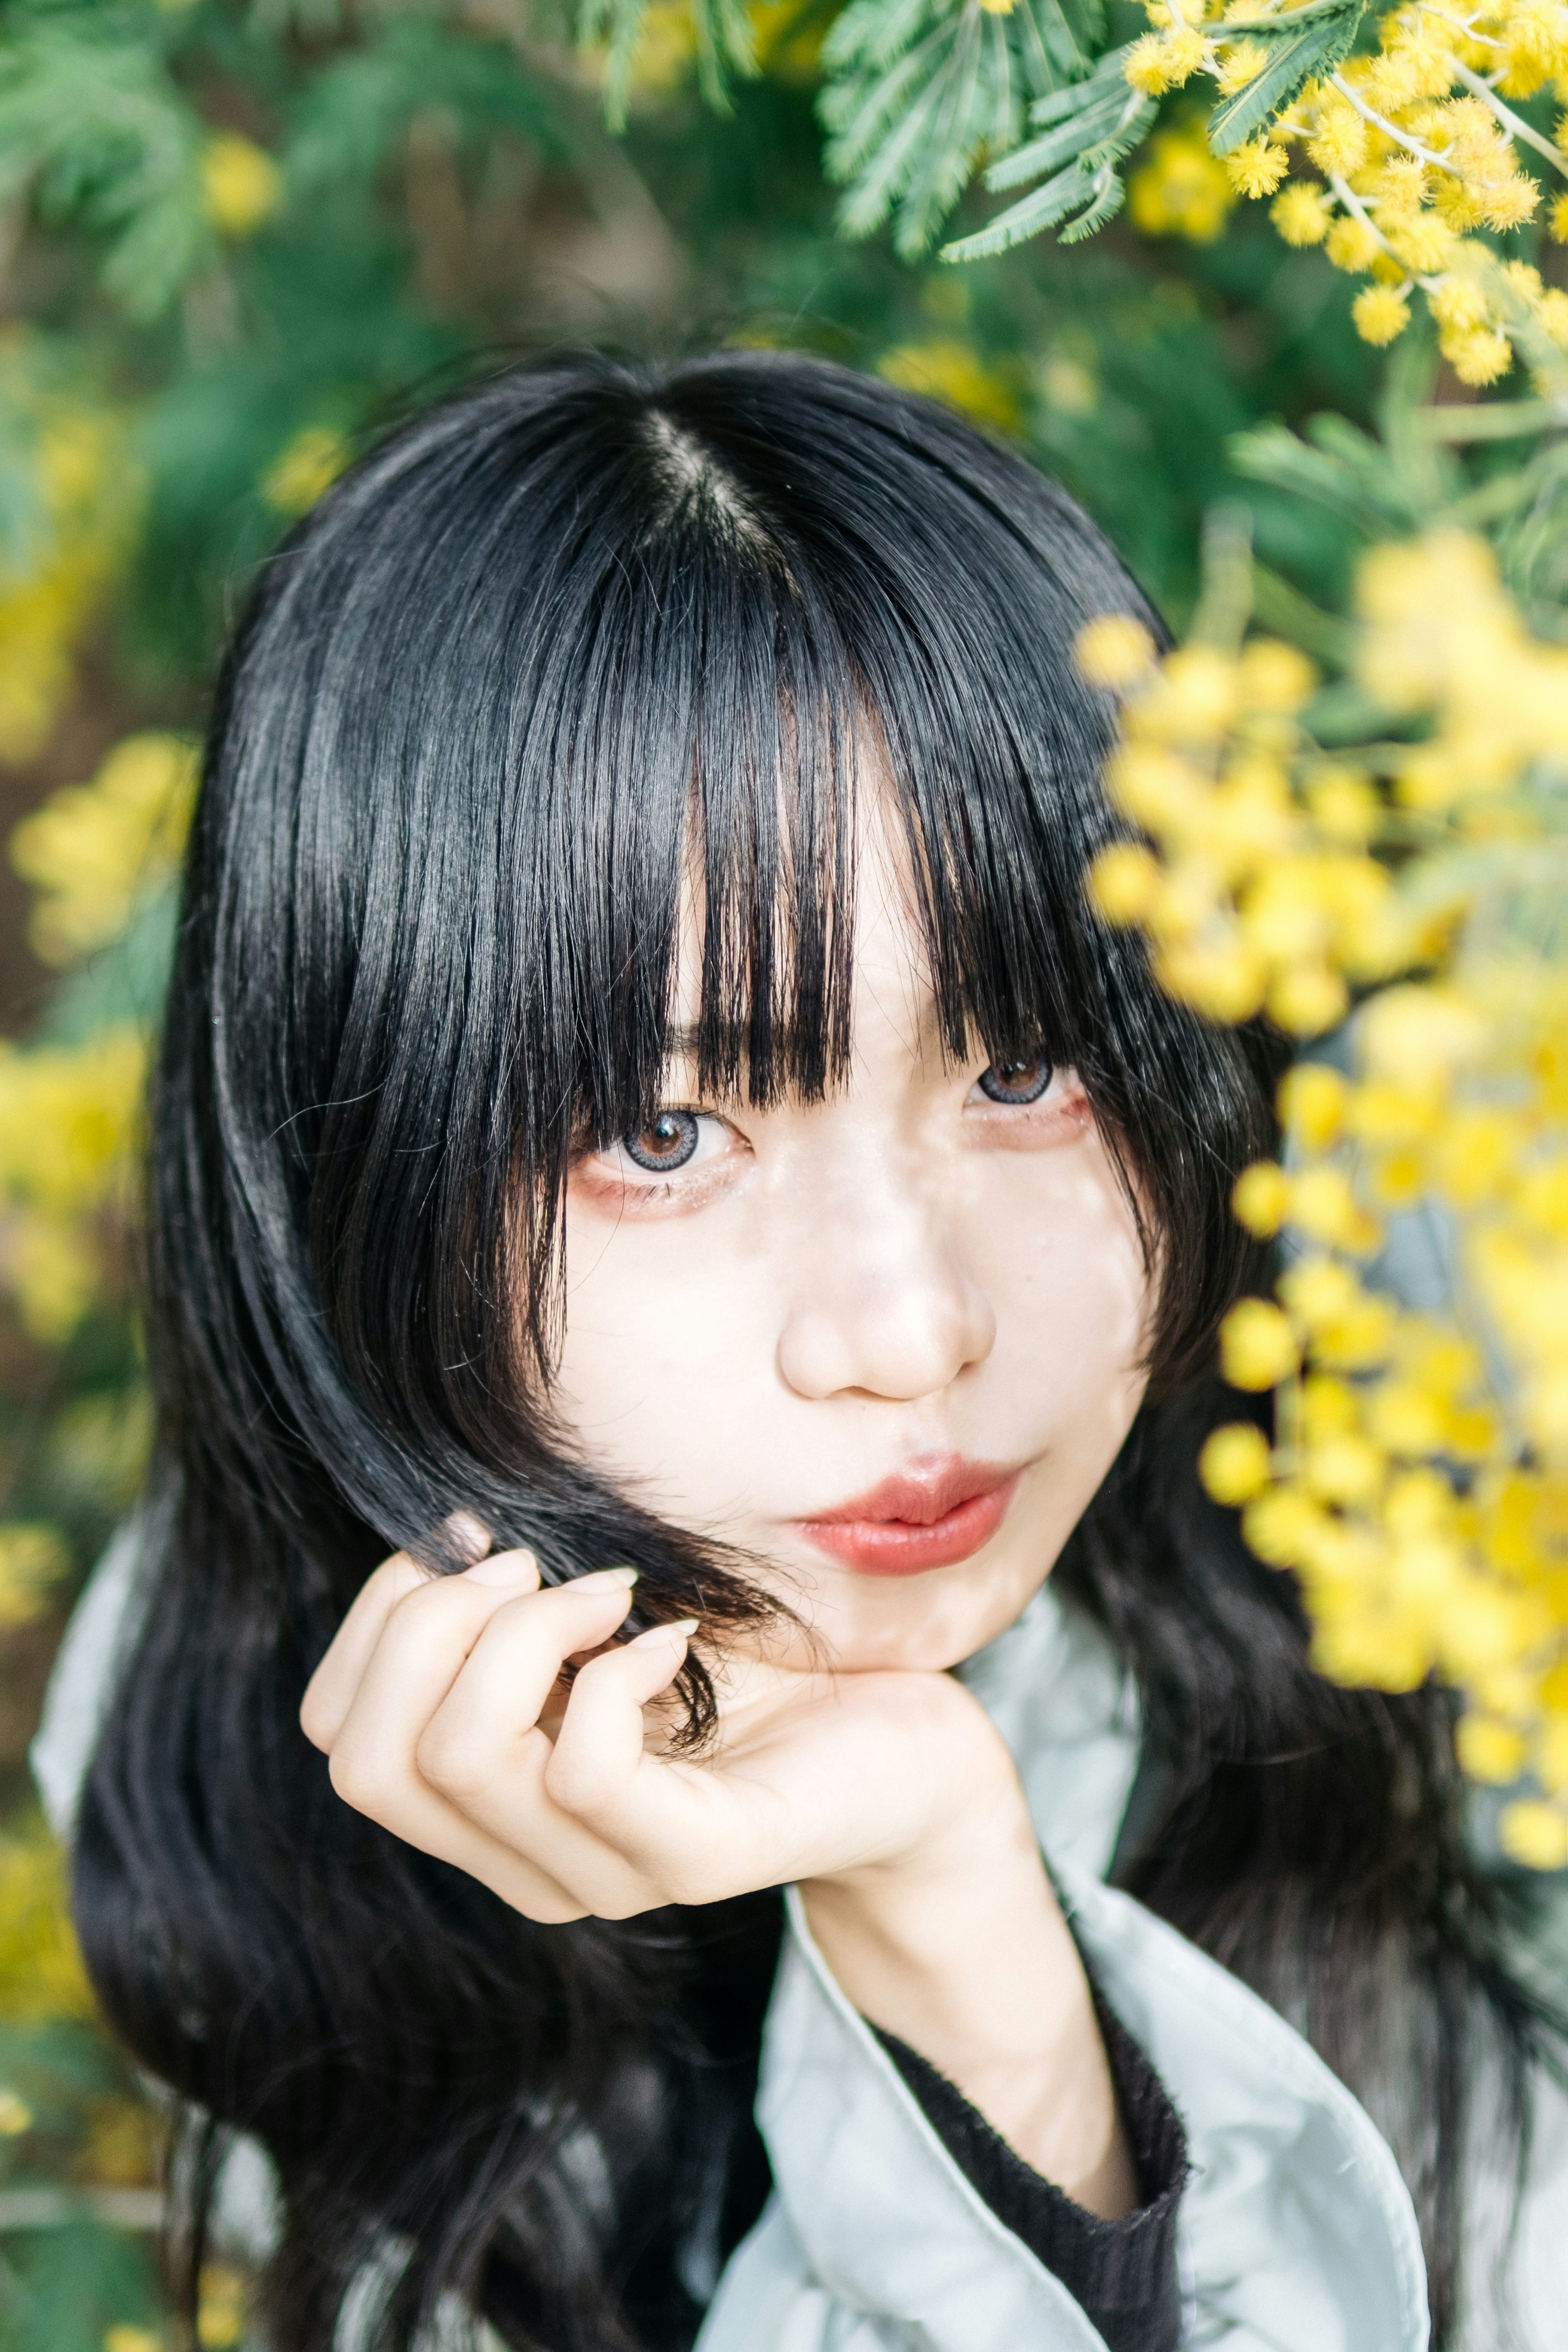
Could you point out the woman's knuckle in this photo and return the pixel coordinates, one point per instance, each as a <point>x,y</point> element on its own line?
<point>453,1759</point>
<point>574,1782</point>
<point>359,1779</point>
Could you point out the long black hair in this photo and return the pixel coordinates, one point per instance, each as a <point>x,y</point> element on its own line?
<point>540,655</point>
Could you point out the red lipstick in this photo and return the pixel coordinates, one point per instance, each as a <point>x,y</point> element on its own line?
<point>932,1515</point>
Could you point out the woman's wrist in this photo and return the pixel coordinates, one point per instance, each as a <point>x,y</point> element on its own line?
<point>960,1949</point>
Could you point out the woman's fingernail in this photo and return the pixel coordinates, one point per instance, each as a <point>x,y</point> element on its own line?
<point>504,1567</point>
<point>685,1625</point>
<point>604,1580</point>
<point>469,1534</point>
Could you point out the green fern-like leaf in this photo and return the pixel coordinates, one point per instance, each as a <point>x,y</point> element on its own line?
<point>917,92</point>
<point>1302,46</point>
<point>1085,131</point>
<point>726,48</point>
<point>96,130</point>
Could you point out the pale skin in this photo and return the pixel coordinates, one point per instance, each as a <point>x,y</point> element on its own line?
<point>825,1295</point>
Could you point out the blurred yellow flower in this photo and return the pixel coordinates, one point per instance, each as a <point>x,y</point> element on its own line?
<point>1257,1346</point>
<point>89,495</point>
<point>1420,1488</point>
<point>1491,1750</point>
<point>308,465</point>
<point>1115,651</point>
<point>1235,1463</point>
<point>220,2309</point>
<point>66,1120</point>
<point>242,187</point>
<point>1261,1199</point>
<point>1182,190</point>
<point>1535,1833</point>
<point>948,371</point>
<point>16,2114</point>
<point>33,1558</point>
<point>41,1975</point>
<point>93,849</point>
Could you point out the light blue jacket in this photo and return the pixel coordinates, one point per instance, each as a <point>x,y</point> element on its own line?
<point>1296,2231</point>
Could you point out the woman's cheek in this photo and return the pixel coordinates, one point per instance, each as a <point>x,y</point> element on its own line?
<point>666,1354</point>
<point>1055,1241</point>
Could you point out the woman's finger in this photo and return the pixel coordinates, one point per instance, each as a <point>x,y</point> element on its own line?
<point>483,1752</point>
<point>419,1657</point>
<point>422,1649</point>
<point>509,1674</point>
<point>425,1819</point>
<point>331,1687</point>
<point>600,1774</point>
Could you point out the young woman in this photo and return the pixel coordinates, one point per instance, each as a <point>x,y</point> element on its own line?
<point>649,1136</point>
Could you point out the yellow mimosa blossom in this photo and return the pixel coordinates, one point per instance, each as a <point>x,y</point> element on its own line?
<point>1257,1346</point>
<point>1380,314</point>
<point>1300,213</point>
<point>1256,169</point>
<point>1235,1463</point>
<point>1182,190</point>
<point>87,496</point>
<point>1417,147</point>
<point>220,2309</point>
<point>1160,61</point>
<point>1115,651</point>
<point>1261,1199</point>
<point>1419,1485</point>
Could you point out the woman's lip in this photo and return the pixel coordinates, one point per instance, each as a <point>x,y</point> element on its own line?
<point>917,1520</point>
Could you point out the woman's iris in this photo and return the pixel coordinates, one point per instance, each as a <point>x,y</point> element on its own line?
<point>666,1143</point>
<point>1016,1082</point>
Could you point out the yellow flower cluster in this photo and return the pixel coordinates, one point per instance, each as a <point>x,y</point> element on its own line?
<point>950,371</point>
<point>1406,154</point>
<point>68,1116</point>
<point>1418,1483</point>
<point>305,467</point>
<point>93,849</point>
<point>86,499</point>
<point>1182,190</point>
<point>32,1561</point>
<point>68,1113</point>
<point>41,1974</point>
<point>1267,895</point>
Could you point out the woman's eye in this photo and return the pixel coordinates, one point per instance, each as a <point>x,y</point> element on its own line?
<point>1016,1082</point>
<point>671,1140</point>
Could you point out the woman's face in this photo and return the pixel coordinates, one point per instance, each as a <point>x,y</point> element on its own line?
<point>887,1343</point>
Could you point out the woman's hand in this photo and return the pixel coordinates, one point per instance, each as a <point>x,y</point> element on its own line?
<point>443,1706</point>
<point>440,1706</point>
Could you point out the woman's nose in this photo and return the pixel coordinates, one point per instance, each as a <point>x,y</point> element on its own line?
<point>885,1306</point>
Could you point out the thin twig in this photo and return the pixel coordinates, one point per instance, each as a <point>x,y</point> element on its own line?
<point>1352,204</point>
<point>1513,123</point>
<point>1461,24</point>
<point>1369,114</point>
